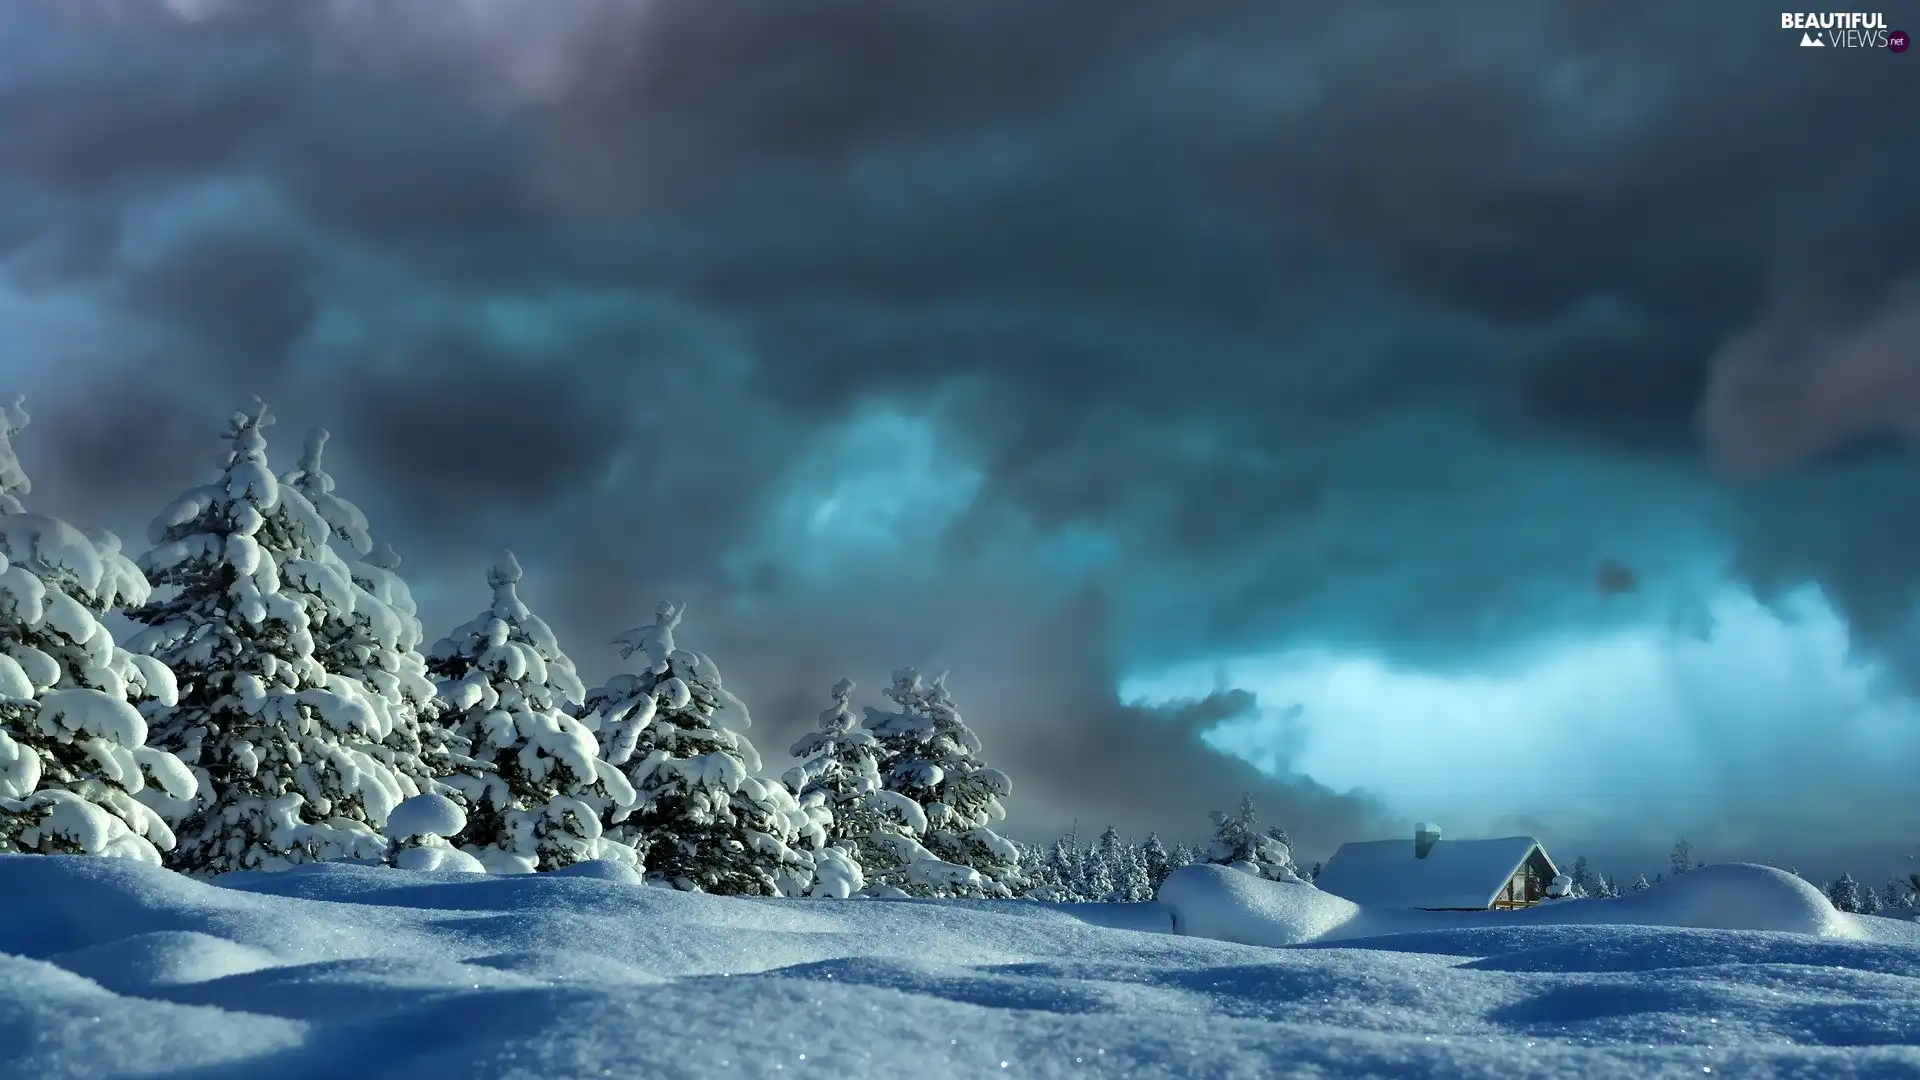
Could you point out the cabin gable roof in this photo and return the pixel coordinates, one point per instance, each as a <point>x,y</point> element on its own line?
<point>1461,874</point>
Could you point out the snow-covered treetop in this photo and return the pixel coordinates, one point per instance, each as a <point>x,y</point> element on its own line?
<point>84,564</point>
<point>838,728</point>
<point>838,718</point>
<point>492,637</point>
<point>13,479</point>
<point>505,571</point>
<point>656,640</point>
<point>311,478</point>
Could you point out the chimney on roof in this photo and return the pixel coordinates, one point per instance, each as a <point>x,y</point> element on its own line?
<point>1425,834</point>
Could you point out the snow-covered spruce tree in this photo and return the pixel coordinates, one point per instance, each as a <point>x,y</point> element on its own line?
<point>377,644</point>
<point>73,753</point>
<point>1236,843</point>
<point>1157,860</point>
<point>1135,883</point>
<point>1585,882</point>
<point>1869,901</point>
<point>1640,884</point>
<point>1845,894</point>
<point>932,758</point>
<point>282,749</point>
<point>881,828</point>
<point>705,822</point>
<point>538,795</point>
<point>1682,857</point>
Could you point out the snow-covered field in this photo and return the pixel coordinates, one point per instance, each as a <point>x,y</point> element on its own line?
<point>111,968</point>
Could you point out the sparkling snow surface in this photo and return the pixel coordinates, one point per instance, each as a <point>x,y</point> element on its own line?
<point>112,968</point>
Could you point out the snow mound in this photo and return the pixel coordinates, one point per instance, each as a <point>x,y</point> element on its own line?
<point>1226,904</point>
<point>1729,896</point>
<point>425,815</point>
<point>1229,905</point>
<point>602,870</point>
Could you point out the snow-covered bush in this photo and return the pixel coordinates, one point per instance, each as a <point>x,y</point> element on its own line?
<point>702,818</point>
<point>420,829</point>
<point>1236,843</point>
<point>537,793</point>
<point>285,752</point>
<point>932,758</point>
<point>377,643</point>
<point>841,772</point>
<point>73,753</point>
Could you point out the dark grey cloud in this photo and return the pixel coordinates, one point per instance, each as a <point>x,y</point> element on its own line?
<point>1378,330</point>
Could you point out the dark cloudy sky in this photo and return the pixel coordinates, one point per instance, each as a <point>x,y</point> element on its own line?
<point>1238,395</point>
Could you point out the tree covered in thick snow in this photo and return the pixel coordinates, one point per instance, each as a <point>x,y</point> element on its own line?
<point>285,752</point>
<point>537,793</point>
<point>1157,860</point>
<point>1682,857</point>
<point>1585,882</point>
<point>1238,843</point>
<point>73,753</point>
<point>705,822</point>
<point>1123,869</point>
<point>377,644</point>
<point>1845,894</point>
<point>932,757</point>
<point>840,770</point>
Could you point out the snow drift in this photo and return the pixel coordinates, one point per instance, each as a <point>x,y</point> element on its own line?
<point>1216,902</point>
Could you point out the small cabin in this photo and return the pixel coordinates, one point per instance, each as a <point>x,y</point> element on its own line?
<point>1433,874</point>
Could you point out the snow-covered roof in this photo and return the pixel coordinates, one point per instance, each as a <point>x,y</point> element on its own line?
<point>1455,874</point>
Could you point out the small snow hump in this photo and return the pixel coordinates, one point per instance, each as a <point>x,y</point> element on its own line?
<point>505,569</point>
<point>425,815</point>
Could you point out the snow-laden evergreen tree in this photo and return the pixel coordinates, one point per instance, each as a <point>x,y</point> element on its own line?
<point>1185,854</point>
<point>705,822</point>
<point>1640,884</point>
<point>73,753</point>
<point>538,795</point>
<point>1898,895</point>
<point>285,752</point>
<point>1585,882</point>
<point>1124,869</point>
<point>1611,887</point>
<point>1682,857</point>
<point>933,759</point>
<point>1869,901</point>
<point>1049,872</point>
<point>1157,861</point>
<point>1236,843</point>
<point>376,645</point>
<point>1845,894</point>
<point>880,828</point>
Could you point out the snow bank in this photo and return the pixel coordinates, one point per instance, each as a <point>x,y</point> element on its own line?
<point>110,968</point>
<point>1217,902</point>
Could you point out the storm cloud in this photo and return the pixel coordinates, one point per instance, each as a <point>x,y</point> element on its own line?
<point>1060,343</point>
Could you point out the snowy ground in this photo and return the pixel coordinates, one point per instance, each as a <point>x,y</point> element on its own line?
<point>108,968</point>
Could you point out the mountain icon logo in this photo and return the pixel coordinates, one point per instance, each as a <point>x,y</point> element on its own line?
<point>1808,41</point>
